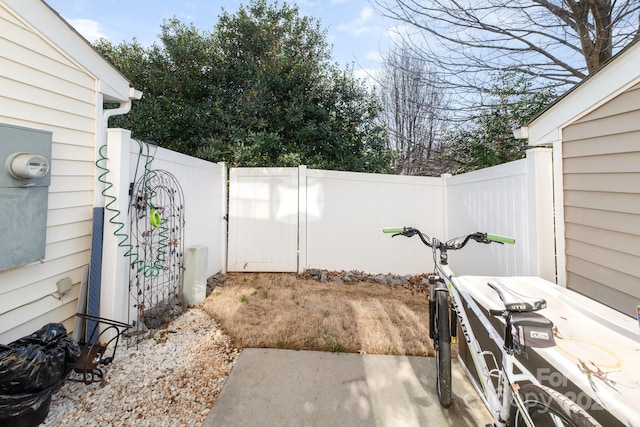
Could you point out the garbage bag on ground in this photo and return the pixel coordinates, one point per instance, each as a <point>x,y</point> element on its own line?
<point>33,368</point>
<point>26,409</point>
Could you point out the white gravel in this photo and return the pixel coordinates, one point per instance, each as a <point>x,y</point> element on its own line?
<point>172,378</point>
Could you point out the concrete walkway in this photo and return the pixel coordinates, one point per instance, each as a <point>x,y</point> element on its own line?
<point>309,388</point>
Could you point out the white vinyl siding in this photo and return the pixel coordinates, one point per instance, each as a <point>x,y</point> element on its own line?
<point>601,174</point>
<point>41,88</point>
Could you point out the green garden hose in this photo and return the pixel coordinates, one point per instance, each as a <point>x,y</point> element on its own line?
<point>155,218</point>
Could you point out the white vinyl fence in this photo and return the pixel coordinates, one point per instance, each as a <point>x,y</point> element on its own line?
<point>339,218</point>
<point>293,219</point>
<point>203,186</point>
<point>344,214</point>
<point>513,199</point>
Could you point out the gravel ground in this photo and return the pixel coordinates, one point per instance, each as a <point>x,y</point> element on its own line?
<point>172,378</point>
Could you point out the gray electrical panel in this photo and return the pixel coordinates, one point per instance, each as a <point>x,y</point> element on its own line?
<point>25,158</point>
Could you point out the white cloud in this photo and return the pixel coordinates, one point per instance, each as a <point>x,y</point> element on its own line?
<point>374,55</point>
<point>89,29</point>
<point>360,25</point>
<point>397,33</point>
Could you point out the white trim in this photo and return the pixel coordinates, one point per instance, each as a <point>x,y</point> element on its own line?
<point>558,196</point>
<point>52,27</point>
<point>599,88</point>
<point>100,139</point>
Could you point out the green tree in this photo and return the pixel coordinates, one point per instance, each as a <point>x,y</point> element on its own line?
<point>489,140</point>
<point>176,108</point>
<point>259,90</point>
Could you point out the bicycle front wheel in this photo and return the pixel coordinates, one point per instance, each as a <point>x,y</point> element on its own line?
<point>443,348</point>
<point>547,407</point>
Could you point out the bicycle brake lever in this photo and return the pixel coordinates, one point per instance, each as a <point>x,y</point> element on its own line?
<point>410,232</point>
<point>482,238</point>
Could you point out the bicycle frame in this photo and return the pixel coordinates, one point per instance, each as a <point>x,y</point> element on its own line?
<point>498,397</point>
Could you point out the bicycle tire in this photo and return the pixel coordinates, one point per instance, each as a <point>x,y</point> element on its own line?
<point>443,349</point>
<point>542,402</point>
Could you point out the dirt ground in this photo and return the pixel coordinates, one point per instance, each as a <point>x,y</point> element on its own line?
<point>290,311</point>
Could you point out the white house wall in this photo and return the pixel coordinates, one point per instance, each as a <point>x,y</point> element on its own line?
<point>594,132</point>
<point>43,89</point>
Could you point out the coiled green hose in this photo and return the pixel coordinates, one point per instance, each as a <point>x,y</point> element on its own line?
<point>155,218</point>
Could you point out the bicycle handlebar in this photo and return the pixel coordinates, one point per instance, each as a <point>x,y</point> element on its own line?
<point>456,243</point>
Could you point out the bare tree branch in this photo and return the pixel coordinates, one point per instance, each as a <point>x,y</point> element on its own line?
<point>413,110</point>
<point>556,42</point>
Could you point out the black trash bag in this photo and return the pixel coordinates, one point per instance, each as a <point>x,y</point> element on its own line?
<point>38,361</point>
<point>26,409</point>
<point>32,369</point>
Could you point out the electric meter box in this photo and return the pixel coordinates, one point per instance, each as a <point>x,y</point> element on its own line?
<point>25,159</point>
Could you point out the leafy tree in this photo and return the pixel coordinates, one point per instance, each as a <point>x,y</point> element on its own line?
<point>489,140</point>
<point>259,90</point>
<point>176,108</point>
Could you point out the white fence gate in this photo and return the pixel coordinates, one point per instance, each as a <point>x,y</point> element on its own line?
<point>263,219</point>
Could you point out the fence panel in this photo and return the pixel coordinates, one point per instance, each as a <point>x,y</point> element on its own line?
<point>204,186</point>
<point>204,189</point>
<point>513,199</point>
<point>345,213</point>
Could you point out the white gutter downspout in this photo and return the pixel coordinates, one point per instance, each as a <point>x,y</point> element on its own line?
<point>521,133</point>
<point>95,272</point>
<point>124,108</point>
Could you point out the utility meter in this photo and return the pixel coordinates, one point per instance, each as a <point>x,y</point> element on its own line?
<point>25,177</point>
<point>27,166</point>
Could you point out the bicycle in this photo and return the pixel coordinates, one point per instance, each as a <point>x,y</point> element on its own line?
<point>513,399</point>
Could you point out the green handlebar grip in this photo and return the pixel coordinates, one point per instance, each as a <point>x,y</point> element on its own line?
<point>393,230</point>
<point>500,239</point>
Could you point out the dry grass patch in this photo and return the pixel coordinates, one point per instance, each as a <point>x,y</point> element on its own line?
<point>287,311</point>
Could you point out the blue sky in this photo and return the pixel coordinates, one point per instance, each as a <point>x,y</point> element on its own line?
<point>358,34</point>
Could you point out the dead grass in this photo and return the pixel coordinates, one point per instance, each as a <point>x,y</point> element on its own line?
<point>269,310</point>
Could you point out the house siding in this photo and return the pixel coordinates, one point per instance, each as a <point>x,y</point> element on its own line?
<point>41,88</point>
<point>601,174</point>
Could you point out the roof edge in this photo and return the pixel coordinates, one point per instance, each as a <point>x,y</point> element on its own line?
<point>50,24</point>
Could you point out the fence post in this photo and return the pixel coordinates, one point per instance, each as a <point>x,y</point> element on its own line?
<point>115,280</point>
<point>224,214</point>
<point>445,205</point>
<point>302,218</point>
<point>541,211</point>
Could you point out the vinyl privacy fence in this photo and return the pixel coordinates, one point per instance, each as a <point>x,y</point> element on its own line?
<point>292,219</point>
<point>201,217</point>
